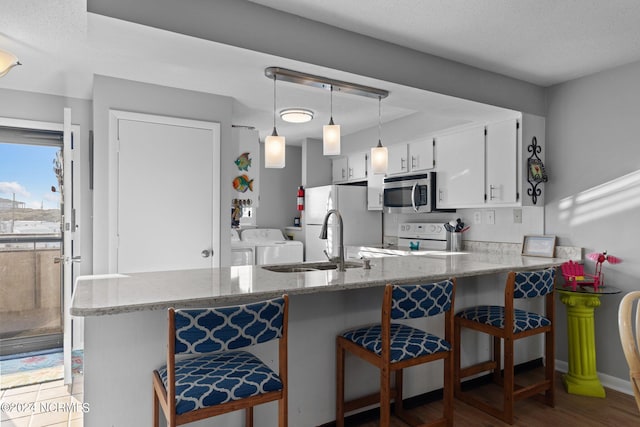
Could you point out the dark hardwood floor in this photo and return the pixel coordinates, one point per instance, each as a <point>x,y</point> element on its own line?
<point>617,409</point>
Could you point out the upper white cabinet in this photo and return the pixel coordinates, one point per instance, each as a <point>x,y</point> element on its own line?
<point>421,155</point>
<point>340,169</point>
<point>397,159</point>
<point>411,157</point>
<point>460,163</point>
<point>357,166</point>
<point>502,163</point>
<point>350,168</point>
<point>487,165</point>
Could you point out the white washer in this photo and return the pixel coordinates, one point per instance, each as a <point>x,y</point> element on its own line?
<point>271,247</point>
<point>242,253</point>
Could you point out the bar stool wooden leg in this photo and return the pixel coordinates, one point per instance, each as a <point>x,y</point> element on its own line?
<point>497,359</point>
<point>248,412</point>
<point>339,384</point>
<point>399,407</point>
<point>385,396</point>
<point>448,390</point>
<point>456,359</point>
<point>549,367</point>
<point>509,382</point>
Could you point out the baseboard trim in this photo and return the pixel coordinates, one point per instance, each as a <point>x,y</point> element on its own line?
<point>614,383</point>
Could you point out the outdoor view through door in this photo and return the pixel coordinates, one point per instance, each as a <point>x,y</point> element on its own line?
<point>30,239</point>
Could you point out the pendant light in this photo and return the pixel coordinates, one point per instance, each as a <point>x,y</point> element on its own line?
<point>379,154</point>
<point>7,61</point>
<point>331,135</point>
<point>274,145</point>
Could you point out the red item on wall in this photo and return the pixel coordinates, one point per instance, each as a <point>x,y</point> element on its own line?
<point>300,198</point>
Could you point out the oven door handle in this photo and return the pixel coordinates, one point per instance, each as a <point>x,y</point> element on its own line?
<point>413,196</point>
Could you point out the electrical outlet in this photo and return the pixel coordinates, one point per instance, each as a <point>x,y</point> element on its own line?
<point>517,216</point>
<point>477,217</point>
<point>489,217</point>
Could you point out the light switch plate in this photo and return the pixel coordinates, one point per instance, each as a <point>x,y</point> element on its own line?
<point>477,217</point>
<point>489,217</point>
<point>517,216</point>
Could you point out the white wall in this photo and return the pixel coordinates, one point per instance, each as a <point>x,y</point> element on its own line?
<point>111,93</point>
<point>593,194</point>
<point>278,188</point>
<point>316,168</point>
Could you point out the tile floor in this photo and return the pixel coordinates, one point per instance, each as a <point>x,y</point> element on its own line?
<point>48,404</point>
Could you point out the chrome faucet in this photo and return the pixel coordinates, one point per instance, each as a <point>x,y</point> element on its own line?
<point>323,235</point>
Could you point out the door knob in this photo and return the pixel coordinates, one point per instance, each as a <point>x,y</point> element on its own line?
<point>206,253</point>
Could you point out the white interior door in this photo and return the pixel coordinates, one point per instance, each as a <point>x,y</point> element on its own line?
<point>168,200</point>
<point>70,233</point>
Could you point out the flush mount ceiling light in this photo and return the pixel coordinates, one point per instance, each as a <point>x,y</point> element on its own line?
<point>274,145</point>
<point>379,154</point>
<point>331,132</point>
<point>7,61</point>
<point>296,115</point>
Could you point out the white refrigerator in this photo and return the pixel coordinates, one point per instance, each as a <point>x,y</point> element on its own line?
<point>361,226</point>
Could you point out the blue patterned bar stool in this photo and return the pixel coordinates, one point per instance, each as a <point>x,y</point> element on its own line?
<point>491,319</point>
<point>217,377</point>
<point>395,346</point>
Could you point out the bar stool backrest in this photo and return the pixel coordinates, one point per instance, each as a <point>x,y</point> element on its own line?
<point>424,300</point>
<point>208,330</point>
<point>533,284</point>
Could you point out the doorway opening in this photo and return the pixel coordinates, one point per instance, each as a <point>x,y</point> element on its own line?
<point>31,240</point>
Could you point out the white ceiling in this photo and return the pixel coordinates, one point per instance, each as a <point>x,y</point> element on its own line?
<point>542,41</point>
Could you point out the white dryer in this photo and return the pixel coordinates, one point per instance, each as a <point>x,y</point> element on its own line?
<point>271,247</point>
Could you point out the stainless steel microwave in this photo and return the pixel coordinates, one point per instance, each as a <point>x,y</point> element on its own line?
<point>410,194</point>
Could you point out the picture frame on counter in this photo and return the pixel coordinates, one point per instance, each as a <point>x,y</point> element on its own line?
<point>538,245</point>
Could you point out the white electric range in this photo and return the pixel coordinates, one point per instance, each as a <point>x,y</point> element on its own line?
<point>422,236</point>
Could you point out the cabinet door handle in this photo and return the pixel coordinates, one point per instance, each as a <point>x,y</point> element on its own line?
<point>380,199</point>
<point>350,172</point>
<point>402,162</point>
<point>343,173</point>
<point>439,195</point>
<point>414,162</point>
<point>491,188</point>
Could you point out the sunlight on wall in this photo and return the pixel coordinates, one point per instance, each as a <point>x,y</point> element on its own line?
<point>615,196</point>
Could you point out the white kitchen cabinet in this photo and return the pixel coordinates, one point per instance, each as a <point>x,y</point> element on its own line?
<point>357,166</point>
<point>397,159</point>
<point>460,164</point>
<point>502,163</point>
<point>340,169</point>
<point>421,155</point>
<point>350,168</point>
<point>375,192</point>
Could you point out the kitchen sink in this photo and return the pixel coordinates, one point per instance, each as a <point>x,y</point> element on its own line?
<point>310,266</point>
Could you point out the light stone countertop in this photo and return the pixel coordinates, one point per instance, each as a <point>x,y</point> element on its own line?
<point>115,294</point>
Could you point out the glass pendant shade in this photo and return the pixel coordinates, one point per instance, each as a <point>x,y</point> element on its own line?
<point>331,139</point>
<point>379,159</point>
<point>7,61</point>
<point>274,144</point>
<point>274,151</point>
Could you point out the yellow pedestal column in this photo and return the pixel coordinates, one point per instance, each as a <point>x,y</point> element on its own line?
<point>582,377</point>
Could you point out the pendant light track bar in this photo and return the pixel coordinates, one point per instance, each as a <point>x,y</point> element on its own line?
<point>298,77</point>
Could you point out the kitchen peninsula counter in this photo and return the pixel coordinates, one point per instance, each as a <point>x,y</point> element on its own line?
<point>114,294</point>
<point>125,328</point>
